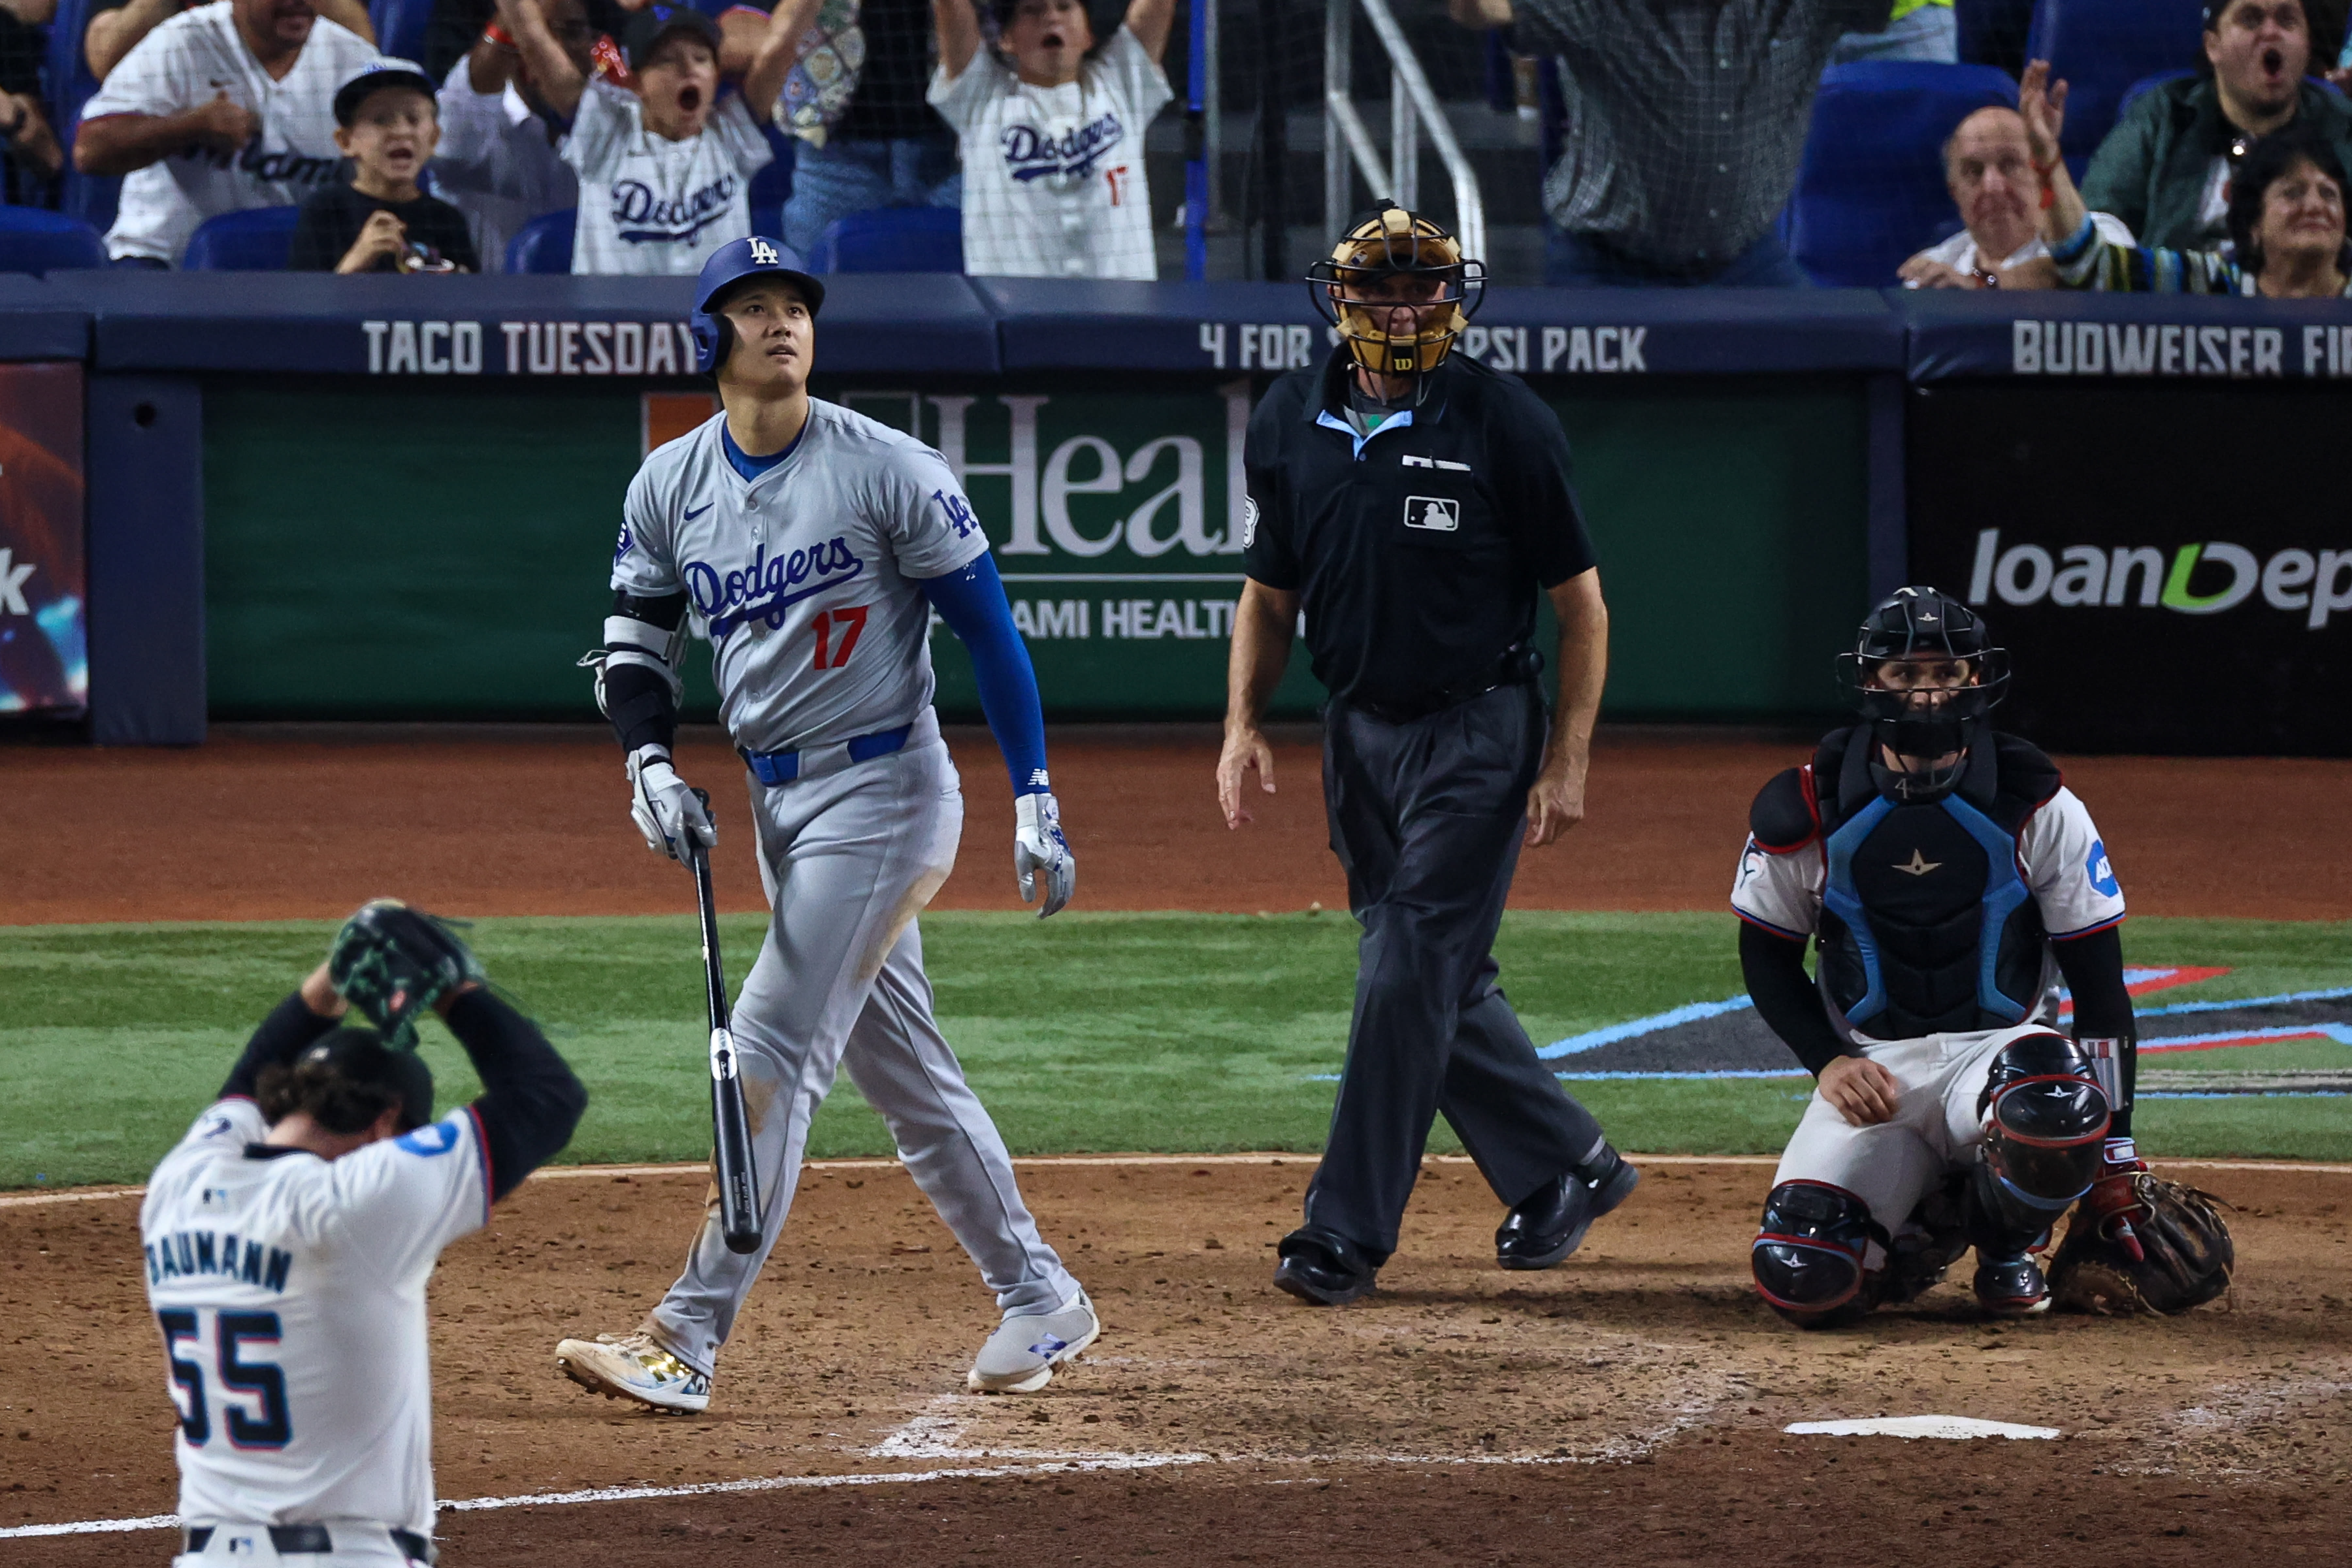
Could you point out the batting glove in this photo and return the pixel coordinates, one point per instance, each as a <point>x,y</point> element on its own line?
<point>1038,846</point>
<point>665,809</point>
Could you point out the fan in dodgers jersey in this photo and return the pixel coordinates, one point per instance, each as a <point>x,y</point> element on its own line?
<point>1051,119</point>
<point>289,1237</point>
<point>809,546</point>
<point>664,164</point>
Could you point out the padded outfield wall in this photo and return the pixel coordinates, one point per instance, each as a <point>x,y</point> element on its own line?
<point>386,550</point>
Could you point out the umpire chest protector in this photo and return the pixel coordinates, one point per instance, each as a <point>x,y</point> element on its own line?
<point>1928,925</point>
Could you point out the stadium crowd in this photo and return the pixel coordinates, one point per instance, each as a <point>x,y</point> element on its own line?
<point>1006,137</point>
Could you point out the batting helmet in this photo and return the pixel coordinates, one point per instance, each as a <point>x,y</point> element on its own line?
<point>1937,716</point>
<point>754,255</point>
<point>1394,243</point>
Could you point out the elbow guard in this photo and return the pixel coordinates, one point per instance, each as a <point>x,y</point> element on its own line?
<point>638,684</point>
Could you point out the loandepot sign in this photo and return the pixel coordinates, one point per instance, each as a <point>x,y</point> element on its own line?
<point>2193,579</point>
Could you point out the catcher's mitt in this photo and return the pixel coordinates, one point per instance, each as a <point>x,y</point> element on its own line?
<point>391,963</point>
<point>2187,1262</point>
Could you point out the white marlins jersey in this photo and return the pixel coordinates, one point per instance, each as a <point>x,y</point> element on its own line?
<point>1053,177</point>
<point>802,581</point>
<point>651,206</point>
<point>185,64</point>
<point>2060,857</point>
<point>290,1294</point>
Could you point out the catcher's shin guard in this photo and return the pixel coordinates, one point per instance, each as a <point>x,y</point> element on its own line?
<point>1810,1254</point>
<point>2045,1123</point>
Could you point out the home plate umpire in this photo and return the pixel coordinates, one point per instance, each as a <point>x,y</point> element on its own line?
<point>1412,502</point>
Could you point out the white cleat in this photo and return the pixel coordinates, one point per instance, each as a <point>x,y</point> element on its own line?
<point>634,1366</point>
<point>1021,1355</point>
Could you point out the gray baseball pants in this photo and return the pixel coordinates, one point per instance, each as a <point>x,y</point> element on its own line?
<point>849,857</point>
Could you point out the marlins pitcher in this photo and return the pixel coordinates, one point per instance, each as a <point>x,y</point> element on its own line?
<point>809,545</point>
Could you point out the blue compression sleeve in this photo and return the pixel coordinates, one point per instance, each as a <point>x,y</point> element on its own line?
<point>972,602</point>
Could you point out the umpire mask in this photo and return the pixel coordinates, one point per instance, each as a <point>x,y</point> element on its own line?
<point>1400,291</point>
<point>1923,673</point>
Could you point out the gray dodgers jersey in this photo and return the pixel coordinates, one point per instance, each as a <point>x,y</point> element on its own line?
<point>802,581</point>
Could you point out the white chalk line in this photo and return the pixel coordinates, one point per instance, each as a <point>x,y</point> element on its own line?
<point>1049,1161</point>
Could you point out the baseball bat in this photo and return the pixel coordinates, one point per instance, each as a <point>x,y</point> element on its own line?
<point>730,1126</point>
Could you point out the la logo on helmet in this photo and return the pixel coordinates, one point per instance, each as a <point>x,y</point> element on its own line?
<point>762,253</point>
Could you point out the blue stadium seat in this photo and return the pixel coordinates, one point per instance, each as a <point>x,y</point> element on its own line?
<point>1871,189</point>
<point>544,243</point>
<point>34,241</point>
<point>772,186</point>
<point>254,240</point>
<point>2100,48</point>
<point>88,197</point>
<point>400,26</point>
<point>892,239</point>
<point>2145,86</point>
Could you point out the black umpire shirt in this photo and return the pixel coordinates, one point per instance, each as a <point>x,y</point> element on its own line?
<point>1417,550</point>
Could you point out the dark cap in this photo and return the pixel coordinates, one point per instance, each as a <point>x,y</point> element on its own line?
<point>378,75</point>
<point>649,26</point>
<point>359,1056</point>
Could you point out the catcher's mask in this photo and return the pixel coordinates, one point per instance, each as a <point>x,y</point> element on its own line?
<point>1924,672</point>
<point>1354,292</point>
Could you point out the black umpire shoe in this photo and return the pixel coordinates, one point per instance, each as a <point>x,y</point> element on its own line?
<point>1323,1269</point>
<point>1544,1228</point>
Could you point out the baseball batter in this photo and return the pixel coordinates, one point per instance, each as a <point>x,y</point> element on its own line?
<point>1948,880</point>
<point>808,545</point>
<point>288,1239</point>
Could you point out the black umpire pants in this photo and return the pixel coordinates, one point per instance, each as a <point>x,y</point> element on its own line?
<point>1427,817</point>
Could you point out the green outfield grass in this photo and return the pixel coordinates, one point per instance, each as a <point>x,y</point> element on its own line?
<point>1187,1033</point>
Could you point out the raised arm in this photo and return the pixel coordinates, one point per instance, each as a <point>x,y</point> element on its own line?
<point>349,14</point>
<point>2043,103</point>
<point>552,74</point>
<point>1149,20</point>
<point>531,1102</point>
<point>763,83</point>
<point>959,25</point>
<point>111,35</point>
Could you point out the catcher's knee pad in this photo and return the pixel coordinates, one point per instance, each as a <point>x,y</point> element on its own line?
<point>1810,1251</point>
<point>2045,1125</point>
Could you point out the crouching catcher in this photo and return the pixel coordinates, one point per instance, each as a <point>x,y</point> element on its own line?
<point>1948,882</point>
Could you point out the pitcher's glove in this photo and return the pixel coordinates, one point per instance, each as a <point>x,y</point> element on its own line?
<point>393,963</point>
<point>2184,1254</point>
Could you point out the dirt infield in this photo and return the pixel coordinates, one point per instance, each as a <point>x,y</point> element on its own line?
<point>279,822</point>
<point>1626,1408</point>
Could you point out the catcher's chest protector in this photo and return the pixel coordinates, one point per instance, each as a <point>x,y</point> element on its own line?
<point>1927,926</point>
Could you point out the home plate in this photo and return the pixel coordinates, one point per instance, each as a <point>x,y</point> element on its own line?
<point>1919,1427</point>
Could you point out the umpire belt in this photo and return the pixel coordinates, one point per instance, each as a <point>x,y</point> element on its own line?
<point>296,1539</point>
<point>773,768</point>
<point>1517,667</point>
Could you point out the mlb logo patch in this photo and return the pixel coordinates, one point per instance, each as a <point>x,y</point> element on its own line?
<point>1432,514</point>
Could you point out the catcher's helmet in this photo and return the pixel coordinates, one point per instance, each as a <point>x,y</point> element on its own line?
<point>1394,243</point>
<point>1925,721</point>
<point>754,255</point>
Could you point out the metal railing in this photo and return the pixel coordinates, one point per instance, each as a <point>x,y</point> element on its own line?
<point>1348,145</point>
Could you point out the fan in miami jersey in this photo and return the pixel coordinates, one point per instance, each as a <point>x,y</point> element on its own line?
<point>286,1242</point>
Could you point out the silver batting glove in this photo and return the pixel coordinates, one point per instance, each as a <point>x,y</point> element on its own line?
<point>1038,846</point>
<point>665,809</point>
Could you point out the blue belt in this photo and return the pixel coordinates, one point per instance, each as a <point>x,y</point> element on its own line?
<point>773,768</point>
